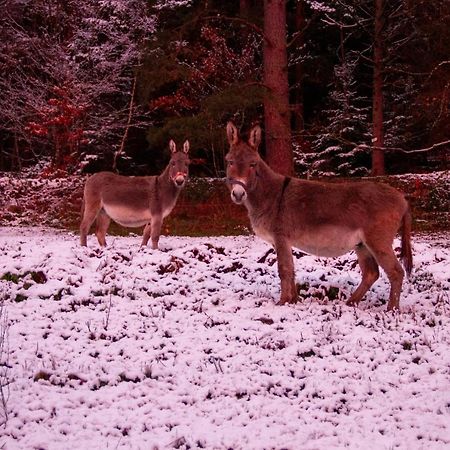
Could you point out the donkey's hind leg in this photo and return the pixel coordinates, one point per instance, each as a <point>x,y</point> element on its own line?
<point>146,234</point>
<point>153,230</point>
<point>385,256</point>
<point>103,221</point>
<point>370,274</point>
<point>88,216</point>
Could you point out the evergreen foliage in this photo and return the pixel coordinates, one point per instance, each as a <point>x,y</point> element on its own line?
<point>347,119</point>
<point>193,82</point>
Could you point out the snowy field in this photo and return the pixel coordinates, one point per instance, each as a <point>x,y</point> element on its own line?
<point>129,348</point>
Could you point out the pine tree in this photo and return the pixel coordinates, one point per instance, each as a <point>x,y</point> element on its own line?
<point>200,72</point>
<point>346,123</point>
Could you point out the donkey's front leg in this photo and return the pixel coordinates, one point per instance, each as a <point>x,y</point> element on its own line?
<point>286,271</point>
<point>155,230</point>
<point>146,234</point>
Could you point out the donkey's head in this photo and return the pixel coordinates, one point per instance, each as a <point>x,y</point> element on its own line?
<point>242,162</point>
<point>179,164</point>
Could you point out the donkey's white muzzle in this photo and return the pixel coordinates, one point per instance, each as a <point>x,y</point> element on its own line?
<point>179,179</point>
<point>238,194</point>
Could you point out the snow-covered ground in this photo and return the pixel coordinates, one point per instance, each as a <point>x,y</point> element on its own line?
<point>184,348</point>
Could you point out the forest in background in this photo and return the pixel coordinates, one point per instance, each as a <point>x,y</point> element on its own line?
<point>100,85</point>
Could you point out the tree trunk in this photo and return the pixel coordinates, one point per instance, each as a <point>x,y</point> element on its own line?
<point>276,101</point>
<point>17,163</point>
<point>244,8</point>
<point>377,111</point>
<point>298,122</point>
<point>57,158</point>
<point>346,81</point>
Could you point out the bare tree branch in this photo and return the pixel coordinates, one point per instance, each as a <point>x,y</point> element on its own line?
<point>127,127</point>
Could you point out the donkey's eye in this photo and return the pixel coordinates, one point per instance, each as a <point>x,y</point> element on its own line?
<point>230,163</point>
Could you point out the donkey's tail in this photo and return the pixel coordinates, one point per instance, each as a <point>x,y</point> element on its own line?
<point>406,251</point>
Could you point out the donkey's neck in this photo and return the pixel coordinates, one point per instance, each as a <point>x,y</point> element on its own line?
<point>166,189</point>
<point>267,191</point>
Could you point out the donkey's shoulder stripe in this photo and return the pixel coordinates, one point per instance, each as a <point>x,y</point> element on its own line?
<point>286,182</point>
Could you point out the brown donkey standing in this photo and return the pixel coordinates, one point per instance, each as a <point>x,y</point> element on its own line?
<point>134,201</point>
<point>323,219</point>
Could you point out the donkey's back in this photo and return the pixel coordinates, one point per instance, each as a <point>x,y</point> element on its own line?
<point>112,190</point>
<point>330,219</point>
<point>351,205</point>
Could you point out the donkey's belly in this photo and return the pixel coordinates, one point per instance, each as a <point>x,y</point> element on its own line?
<point>128,217</point>
<point>328,241</point>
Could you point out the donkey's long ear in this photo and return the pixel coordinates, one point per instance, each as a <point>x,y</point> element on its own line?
<point>172,146</point>
<point>186,146</point>
<point>254,138</point>
<point>232,133</point>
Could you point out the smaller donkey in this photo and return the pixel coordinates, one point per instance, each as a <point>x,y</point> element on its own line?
<point>323,219</point>
<point>134,201</point>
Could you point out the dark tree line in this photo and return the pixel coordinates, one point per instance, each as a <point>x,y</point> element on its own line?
<point>346,87</point>
<point>67,70</point>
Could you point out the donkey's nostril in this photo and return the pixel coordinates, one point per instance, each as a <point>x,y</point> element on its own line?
<point>179,180</point>
<point>238,194</point>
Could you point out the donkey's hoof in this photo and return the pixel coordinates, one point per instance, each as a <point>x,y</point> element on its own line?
<point>393,308</point>
<point>290,300</point>
<point>352,302</point>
